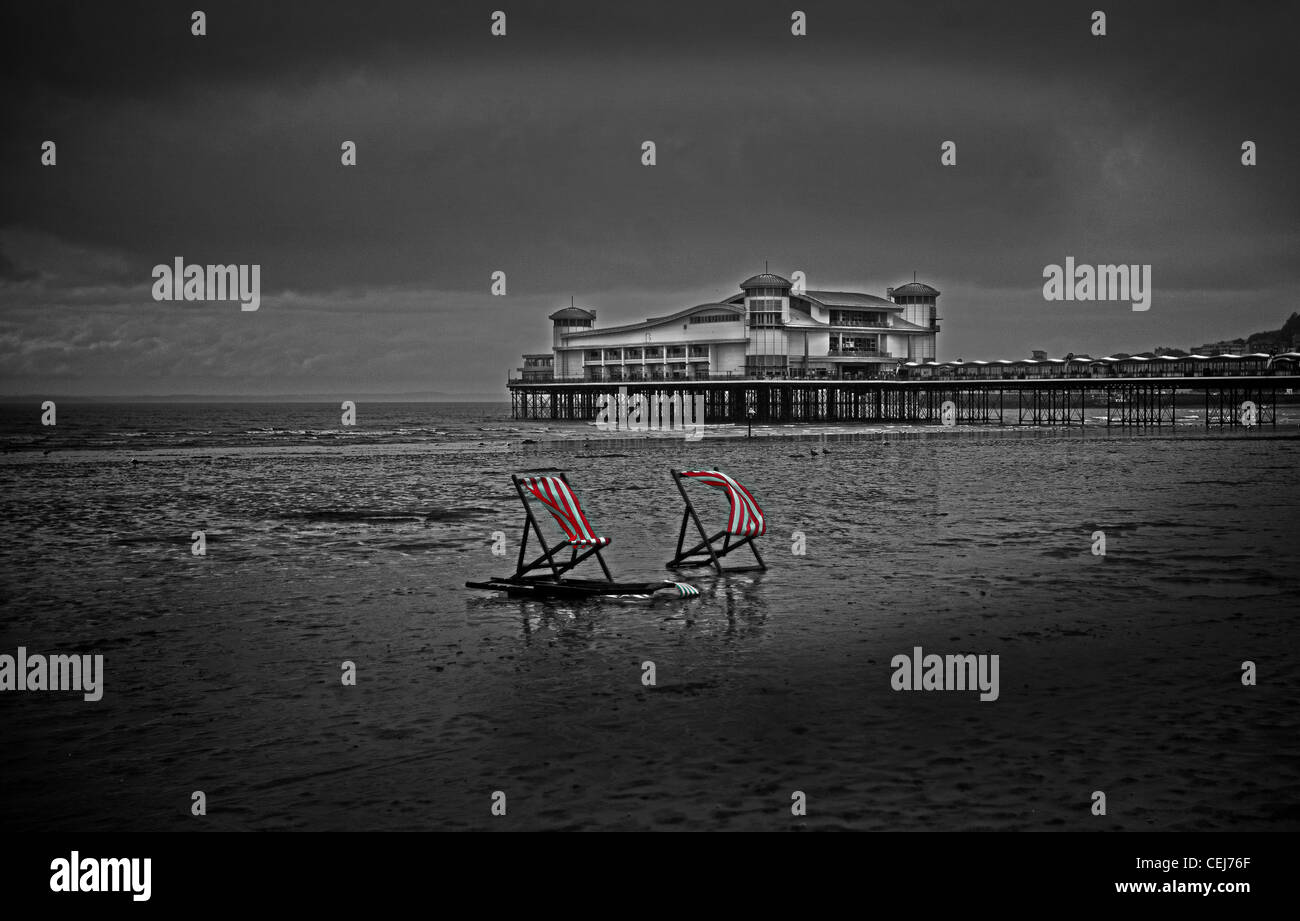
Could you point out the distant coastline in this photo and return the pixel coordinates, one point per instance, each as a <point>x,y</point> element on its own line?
<point>415,397</point>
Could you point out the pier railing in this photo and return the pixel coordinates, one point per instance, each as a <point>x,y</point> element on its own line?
<point>795,374</point>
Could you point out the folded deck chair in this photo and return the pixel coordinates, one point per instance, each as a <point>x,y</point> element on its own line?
<point>555,493</point>
<point>744,524</point>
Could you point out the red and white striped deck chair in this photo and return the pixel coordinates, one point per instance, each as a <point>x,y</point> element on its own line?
<point>744,523</point>
<point>554,492</point>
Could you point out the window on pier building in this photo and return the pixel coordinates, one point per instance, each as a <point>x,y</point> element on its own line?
<point>592,355</point>
<point>676,351</point>
<point>858,318</point>
<point>654,352</point>
<point>763,365</point>
<point>764,313</point>
<point>868,345</point>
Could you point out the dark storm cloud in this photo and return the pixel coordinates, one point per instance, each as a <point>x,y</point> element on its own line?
<point>11,272</point>
<point>522,154</point>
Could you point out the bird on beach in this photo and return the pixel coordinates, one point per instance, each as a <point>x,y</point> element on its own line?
<point>824,451</point>
<point>812,451</point>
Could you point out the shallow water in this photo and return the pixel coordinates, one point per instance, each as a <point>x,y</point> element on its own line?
<point>1118,673</point>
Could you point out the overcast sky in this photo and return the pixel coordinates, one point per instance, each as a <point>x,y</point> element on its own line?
<point>523,154</point>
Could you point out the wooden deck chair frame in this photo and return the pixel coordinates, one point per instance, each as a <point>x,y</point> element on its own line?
<point>695,556</point>
<point>549,558</point>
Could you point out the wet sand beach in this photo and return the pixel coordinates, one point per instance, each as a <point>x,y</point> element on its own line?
<point>1119,673</point>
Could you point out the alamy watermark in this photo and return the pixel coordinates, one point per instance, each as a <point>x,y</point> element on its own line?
<point>181,282</point>
<point>103,874</point>
<point>1098,283</point>
<point>53,673</point>
<point>660,412</point>
<point>920,672</point>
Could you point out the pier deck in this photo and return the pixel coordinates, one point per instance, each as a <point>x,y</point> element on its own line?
<point>1151,401</point>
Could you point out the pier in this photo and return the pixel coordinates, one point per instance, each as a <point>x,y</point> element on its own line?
<point>1127,402</point>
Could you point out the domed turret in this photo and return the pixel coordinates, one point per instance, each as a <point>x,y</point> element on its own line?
<point>913,289</point>
<point>767,311</point>
<point>920,303</point>
<point>766,280</point>
<point>571,319</point>
<point>568,315</point>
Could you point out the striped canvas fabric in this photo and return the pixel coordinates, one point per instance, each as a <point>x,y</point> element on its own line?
<point>746,519</point>
<point>559,499</point>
